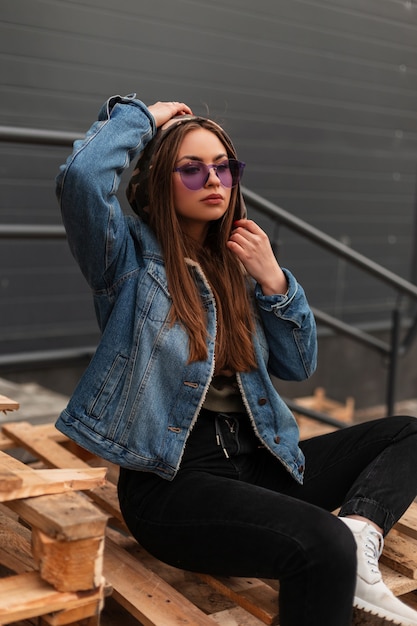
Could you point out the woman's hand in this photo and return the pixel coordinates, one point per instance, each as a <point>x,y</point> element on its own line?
<point>164,111</point>
<point>252,247</point>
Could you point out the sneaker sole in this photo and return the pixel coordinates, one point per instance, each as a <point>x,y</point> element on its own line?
<point>369,615</point>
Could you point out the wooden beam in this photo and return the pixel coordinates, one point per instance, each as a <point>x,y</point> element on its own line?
<point>15,545</point>
<point>87,615</point>
<point>65,516</point>
<point>251,594</point>
<point>25,482</point>
<point>25,596</point>
<point>6,404</point>
<point>145,595</point>
<point>69,565</point>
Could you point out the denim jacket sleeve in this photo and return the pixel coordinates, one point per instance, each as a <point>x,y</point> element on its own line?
<point>87,184</point>
<point>290,331</point>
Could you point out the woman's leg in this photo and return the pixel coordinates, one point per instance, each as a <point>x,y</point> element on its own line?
<point>220,525</point>
<point>227,521</point>
<point>371,471</point>
<point>368,470</point>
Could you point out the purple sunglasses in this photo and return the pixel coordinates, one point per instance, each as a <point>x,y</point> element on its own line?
<point>195,174</point>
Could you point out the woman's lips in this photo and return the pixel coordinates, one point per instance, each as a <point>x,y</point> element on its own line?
<point>213,198</point>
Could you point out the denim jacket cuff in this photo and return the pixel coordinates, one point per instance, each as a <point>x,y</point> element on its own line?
<point>277,301</point>
<point>130,99</point>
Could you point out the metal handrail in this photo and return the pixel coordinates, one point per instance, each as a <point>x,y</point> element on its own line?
<point>16,134</point>
<point>31,231</point>
<point>403,287</point>
<point>331,244</point>
<point>45,358</point>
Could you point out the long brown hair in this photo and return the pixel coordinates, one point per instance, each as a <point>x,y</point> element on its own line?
<point>224,272</point>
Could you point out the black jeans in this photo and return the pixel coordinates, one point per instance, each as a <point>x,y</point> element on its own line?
<point>237,511</point>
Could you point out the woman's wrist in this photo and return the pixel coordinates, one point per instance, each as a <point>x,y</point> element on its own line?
<point>275,285</point>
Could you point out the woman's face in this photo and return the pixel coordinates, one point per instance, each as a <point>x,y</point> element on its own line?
<point>196,209</point>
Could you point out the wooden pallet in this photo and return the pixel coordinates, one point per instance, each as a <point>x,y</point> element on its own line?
<point>58,565</point>
<point>156,594</point>
<point>319,402</point>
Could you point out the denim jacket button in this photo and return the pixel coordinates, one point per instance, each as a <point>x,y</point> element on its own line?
<point>277,439</point>
<point>301,469</point>
<point>262,401</point>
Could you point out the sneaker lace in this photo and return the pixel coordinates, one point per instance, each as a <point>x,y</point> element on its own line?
<point>374,544</point>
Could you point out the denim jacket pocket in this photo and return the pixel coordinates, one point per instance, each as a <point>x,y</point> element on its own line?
<point>104,395</point>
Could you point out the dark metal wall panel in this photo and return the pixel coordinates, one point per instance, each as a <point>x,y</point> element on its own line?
<point>319,95</point>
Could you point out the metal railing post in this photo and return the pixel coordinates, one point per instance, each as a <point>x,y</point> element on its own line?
<point>393,360</point>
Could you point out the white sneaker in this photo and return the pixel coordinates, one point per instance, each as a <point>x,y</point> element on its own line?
<point>371,594</point>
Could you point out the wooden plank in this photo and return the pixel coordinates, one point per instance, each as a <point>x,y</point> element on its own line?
<point>400,553</point>
<point>5,442</point>
<point>74,479</point>
<point>187,583</point>
<point>398,583</point>
<point>55,455</point>
<point>9,480</point>
<point>31,483</point>
<point>145,595</point>
<point>24,596</point>
<point>45,430</point>
<point>6,404</point>
<point>35,442</point>
<point>66,516</point>
<point>15,546</point>
<point>311,428</point>
<point>48,431</point>
<point>235,616</point>
<point>410,599</point>
<point>251,594</point>
<point>69,565</point>
<point>87,615</point>
<point>321,403</point>
<point>407,524</point>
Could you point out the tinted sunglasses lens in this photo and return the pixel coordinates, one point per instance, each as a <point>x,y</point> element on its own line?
<point>224,174</point>
<point>236,171</point>
<point>194,175</point>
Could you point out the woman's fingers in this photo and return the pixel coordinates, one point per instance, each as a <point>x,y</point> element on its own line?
<point>164,111</point>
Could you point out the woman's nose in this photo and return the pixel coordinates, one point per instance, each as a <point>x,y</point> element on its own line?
<point>212,177</point>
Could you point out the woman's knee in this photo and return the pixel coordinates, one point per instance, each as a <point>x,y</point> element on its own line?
<point>330,564</point>
<point>335,550</point>
<point>401,425</point>
<point>324,547</point>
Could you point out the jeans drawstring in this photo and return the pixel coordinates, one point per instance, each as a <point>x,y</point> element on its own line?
<point>233,426</point>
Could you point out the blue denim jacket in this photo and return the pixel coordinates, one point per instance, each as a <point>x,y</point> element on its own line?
<point>139,398</point>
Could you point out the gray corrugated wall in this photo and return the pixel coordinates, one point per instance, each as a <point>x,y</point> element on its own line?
<point>320,97</point>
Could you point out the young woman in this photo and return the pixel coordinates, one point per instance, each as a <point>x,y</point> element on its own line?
<point>195,314</point>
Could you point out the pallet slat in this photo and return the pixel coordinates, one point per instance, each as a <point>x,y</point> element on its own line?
<point>27,483</point>
<point>400,553</point>
<point>251,594</point>
<point>6,404</point>
<point>147,596</point>
<point>24,596</point>
<point>15,545</point>
<point>64,516</point>
<point>407,525</point>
